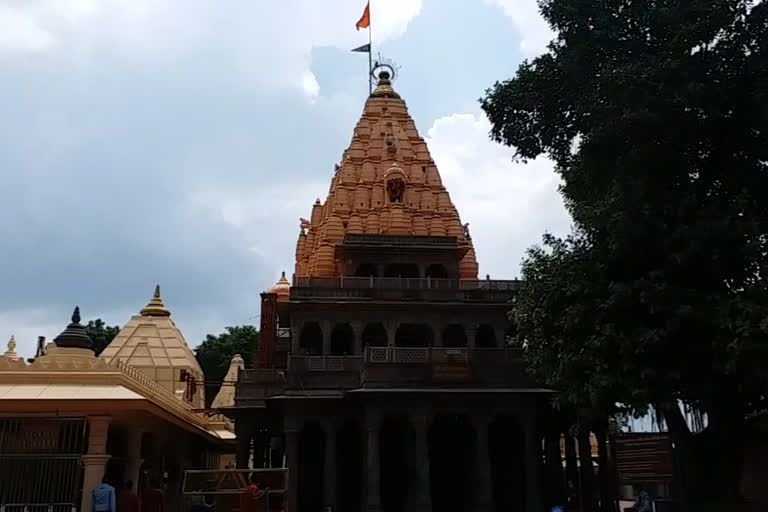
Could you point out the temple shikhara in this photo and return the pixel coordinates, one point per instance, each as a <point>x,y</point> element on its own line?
<point>384,379</point>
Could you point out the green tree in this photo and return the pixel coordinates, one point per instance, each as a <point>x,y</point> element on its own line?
<point>215,353</point>
<point>656,116</point>
<point>101,334</point>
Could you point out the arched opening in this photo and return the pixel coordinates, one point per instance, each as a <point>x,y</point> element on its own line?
<point>311,339</point>
<point>437,271</point>
<point>507,454</point>
<point>451,440</point>
<point>405,270</point>
<point>310,471</point>
<point>414,335</point>
<point>350,469</point>
<point>394,449</point>
<point>342,340</point>
<point>375,335</point>
<point>485,337</point>
<point>454,336</point>
<point>366,270</point>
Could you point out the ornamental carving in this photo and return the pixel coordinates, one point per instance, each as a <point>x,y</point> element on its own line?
<point>396,189</point>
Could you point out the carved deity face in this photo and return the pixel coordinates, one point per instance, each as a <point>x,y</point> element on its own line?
<point>395,189</point>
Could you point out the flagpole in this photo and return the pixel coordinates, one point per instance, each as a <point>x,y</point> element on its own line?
<point>370,52</point>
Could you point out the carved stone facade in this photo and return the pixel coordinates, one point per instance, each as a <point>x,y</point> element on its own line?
<point>385,377</point>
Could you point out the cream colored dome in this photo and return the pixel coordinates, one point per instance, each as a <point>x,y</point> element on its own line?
<point>282,288</point>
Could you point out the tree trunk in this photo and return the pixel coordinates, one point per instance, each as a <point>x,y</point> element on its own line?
<point>586,471</point>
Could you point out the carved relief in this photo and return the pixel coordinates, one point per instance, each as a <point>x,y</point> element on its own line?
<point>395,190</point>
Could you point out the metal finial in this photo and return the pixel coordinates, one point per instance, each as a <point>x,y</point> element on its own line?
<point>157,291</point>
<point>11,344</point>
<point>76,315</point>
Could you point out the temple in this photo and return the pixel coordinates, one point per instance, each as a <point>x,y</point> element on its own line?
<point>384,376</point>
<point>70,418</point>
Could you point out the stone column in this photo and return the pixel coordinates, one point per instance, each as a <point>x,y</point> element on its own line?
<point>295,335</point>
<point>437,329</point>
<point>329,468</point>
<point>499,335</point>
<point>483,482</point>
<point>357,329</point>
<point>423,494</point>
<point>243,430</point>
<point>95,460</point>
<point>292,456</point>
<point>532,463</point>
<point>133,464</point>
<point>391,328</point>
<point>471,331</point>
<point>372,425</point>
<point>327,331</point>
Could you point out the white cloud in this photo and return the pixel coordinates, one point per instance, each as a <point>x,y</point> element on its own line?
<point>243,31</point>
<point>508,205</point>
<point>310,85</point>
<point>534,31</point>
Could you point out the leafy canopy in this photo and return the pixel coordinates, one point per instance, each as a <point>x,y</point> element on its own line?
<point>101,334</point>
<point>215,353</point>
<point>655,113</point>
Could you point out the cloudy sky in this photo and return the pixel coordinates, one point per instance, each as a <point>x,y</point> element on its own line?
<point>179,142</point>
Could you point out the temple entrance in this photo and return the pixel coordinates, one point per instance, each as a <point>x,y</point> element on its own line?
<point>311,339</point>
<point>374,335</point>
<point>413,335</point>
<point>507,453</point>
<point>451,458</point>
<point>454,336</point>
<point>342,340</point>
<point>310,474</point>
<point>405,270</point>
<point>395,481</point>
<point>486,337</point>
<point>349,472</point>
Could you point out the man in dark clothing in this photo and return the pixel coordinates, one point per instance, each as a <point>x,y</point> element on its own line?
<point>127,501</point>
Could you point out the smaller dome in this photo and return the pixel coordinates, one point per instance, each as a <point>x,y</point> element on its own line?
<point>74,336</point>
<point>282,289</point>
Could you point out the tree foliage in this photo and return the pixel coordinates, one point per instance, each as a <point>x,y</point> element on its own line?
<point>215,353</point>
<point>656,116</point>
<point>101,334</point>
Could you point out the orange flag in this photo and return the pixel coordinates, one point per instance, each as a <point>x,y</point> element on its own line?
<point>365,19</point>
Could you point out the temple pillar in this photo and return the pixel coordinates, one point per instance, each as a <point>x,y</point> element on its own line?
<point>357,329</point>
<point>483,483</point>
<point>327,327</point>
<point>243,430</point>
<point>532,463</point>
<point>471,332</point>
<point>372,425</point>
<point>134,461</point>
<point>499,334</point>
<point>292,456</point>
<point>95,460</point>
<point>423,495</point>
<point>295,336</point>
<point>391,327</point>
<point>329,468</point>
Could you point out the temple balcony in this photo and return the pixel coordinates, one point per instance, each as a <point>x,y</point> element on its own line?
<point>387,288</point>
<point>389,367</point>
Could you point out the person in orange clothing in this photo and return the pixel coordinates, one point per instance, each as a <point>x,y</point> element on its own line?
<point>250,500</point>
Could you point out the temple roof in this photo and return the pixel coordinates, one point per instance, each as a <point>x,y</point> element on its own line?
<point>151,342</point>
<point>387,183</point>
<point>282,289</point>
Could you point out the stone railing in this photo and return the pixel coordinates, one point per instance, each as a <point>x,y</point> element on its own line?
<point>153,391</point>
<point>424,355</point>
<point>325,363</point>
<point>414,288</point>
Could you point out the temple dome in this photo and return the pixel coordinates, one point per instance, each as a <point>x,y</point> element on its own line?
<point>282,288</point>
<point>152,343</point>
<point>386,184</point>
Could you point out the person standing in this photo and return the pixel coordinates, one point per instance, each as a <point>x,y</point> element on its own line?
<point>153,498</point>
<point>103,497</point>
<point>127,501</point>
<point>251,497</point>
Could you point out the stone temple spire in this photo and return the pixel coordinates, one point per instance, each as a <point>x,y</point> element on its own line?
<point>155,307</point>
<point>386,184</point>
<point>74,336</point>
<point>11,352</point>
